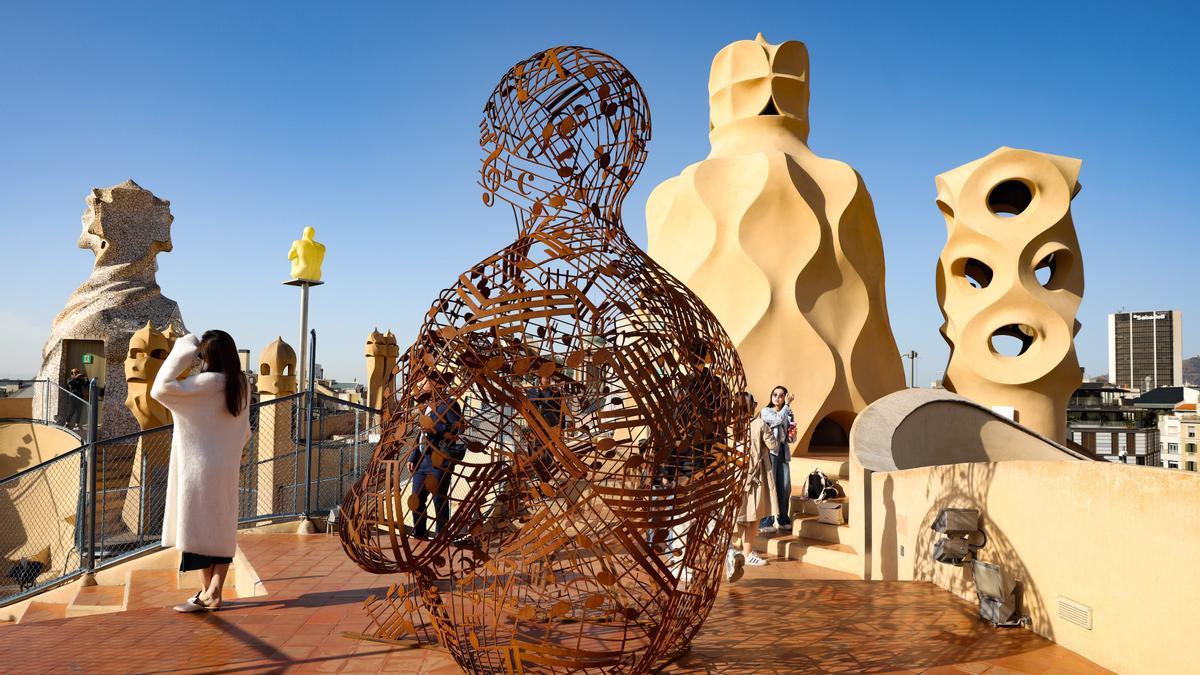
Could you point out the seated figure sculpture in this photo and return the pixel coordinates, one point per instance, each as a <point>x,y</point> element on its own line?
<point>306,255</point>
<point>587,540</point>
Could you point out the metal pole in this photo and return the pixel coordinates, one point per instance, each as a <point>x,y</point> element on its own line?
<point>303,333</point>
<point>357,417</point>
<point>93,419</point>
<point>142,499</point>
<point>308,423</point>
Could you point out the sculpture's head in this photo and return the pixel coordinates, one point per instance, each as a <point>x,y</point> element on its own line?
<point>125,223</point>
<point>375,344</point>
<point>277,369</point>
<point>564,133</point>
<point>309,233</point>
<point>752,78</point>
<point>391,349</point>
<point>147,350</point>
<point>1011,270</point>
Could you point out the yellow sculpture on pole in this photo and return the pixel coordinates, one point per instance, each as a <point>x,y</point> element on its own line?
<point>782,245</point>
<point>307,255</point>
<point>1012,269</point>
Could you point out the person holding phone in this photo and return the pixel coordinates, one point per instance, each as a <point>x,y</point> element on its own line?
<point>779,421</point>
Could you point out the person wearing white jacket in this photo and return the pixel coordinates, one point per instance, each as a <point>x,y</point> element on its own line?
<point>212,425</point>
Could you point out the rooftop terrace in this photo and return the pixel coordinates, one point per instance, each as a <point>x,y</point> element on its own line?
<point>787,617</point>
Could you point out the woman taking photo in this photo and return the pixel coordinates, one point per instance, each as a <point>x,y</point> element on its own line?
<point>212,425</point>
<point>778,420</point>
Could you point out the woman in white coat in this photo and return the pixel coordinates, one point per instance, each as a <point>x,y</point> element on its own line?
<point>212,425</point>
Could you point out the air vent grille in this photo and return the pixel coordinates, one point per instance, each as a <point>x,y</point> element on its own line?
<point>1075,612</point>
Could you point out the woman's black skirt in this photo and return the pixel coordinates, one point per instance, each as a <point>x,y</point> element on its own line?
<point>198,561</point>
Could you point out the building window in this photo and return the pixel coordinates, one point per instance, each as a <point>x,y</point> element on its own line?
<point>1191,432</point>
<point>1191,466</point>
<point>1191,447</point>
<point>1171,465</point>
<point>1173,448</point>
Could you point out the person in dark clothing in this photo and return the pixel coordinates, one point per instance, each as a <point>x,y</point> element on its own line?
<point>77,384</point>
<point>432,461</point>
<point>545,397</point>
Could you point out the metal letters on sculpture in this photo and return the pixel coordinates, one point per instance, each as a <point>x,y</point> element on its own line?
<point>1012,269</point>
<point>568,409</point>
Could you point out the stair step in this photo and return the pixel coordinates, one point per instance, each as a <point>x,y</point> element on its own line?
<point>153,588</point>
<point>807,507</point>
<point>44,611</point>
<point>97,600</point>
<point>809,527</point>
<point>840,557</point>
<point>835,465</point>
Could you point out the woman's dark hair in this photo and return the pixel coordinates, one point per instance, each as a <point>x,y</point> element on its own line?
<point>220,355</point>
<point>771,398</point>
<point>748,403</point>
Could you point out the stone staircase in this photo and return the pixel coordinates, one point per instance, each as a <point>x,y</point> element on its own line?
<point>149,581</point>
<point>810,541</point>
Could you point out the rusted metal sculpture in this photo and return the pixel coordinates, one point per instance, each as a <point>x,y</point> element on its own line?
<point>569,410</point>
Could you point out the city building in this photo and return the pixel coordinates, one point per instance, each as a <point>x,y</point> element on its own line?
<point>1179,439</point>
<point>1105,422</point>
<point>1145,349</point>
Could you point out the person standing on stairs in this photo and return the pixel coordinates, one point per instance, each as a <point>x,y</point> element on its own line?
<point>212,426</point>
<point>778,419</point>
<point>759,500</point>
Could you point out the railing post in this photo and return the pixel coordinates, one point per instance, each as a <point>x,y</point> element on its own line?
<point>92,429</point>
<point>142,482</point>
<point>306,525</point>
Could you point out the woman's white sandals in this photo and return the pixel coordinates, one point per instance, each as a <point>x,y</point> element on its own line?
<point>194,604</point>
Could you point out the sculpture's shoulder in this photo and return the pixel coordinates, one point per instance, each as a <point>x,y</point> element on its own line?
<point>658,207</point>
<point>828,166</point>
<point>664,193</point>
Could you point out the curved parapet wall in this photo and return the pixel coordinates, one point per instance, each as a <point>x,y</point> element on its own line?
<point>929,427</point>
<point>26,443</point>
<point>1082,532</point>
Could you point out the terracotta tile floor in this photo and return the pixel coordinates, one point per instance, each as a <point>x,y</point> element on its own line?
<point>785,618</point>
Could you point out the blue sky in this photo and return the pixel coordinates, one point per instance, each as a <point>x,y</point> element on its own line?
<point>256,119</point>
